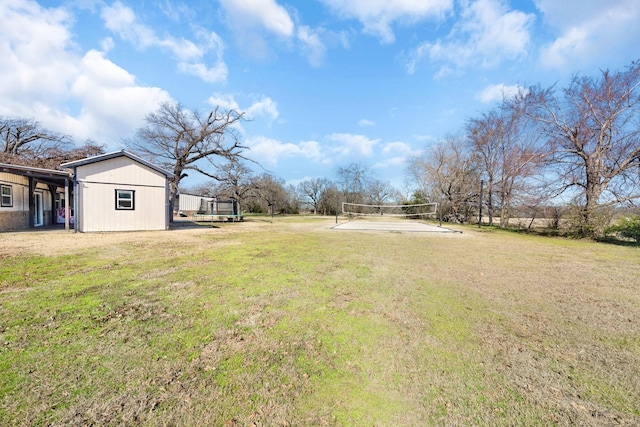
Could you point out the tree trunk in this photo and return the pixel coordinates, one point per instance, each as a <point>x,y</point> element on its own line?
<point>593,191</point>
<point>173,192</point>
<point>490,199</point>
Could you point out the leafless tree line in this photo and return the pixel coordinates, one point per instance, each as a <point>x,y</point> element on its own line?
<point>559,148</point>
<point>265,193</point>
<point>27,143</point>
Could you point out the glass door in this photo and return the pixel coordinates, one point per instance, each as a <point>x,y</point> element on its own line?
<point>38,214</point>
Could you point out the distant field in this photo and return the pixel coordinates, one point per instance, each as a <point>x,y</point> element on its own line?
<point>290,323</point>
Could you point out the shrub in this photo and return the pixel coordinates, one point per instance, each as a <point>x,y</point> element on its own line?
<point>581,223</point>
<point>627,227</point>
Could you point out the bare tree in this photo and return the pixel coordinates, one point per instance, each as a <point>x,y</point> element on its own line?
<point>269,195</point>
<point>206,189</point>
<point>183,140</point>
<point>234,180</point>
<point>451,174</point>
<point>509,152</point>
<point>293,201</point>
<point>416,178</point>
<point>352,181</point>
<point>329,200</point>
<point>485,134</point>
<point>24,140</point>
<point>593,130</point>
<point>53,157</point>
<point>312,191</point>
<point>381,192</point>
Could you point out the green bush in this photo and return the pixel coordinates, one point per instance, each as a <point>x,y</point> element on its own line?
<point>627,227</point>
<point>592,224</point>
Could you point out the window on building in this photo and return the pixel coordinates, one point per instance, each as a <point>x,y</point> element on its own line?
<point>6,193</point>
<point>125,200</point>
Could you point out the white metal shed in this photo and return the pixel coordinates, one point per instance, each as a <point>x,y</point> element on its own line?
<point>120,191</point>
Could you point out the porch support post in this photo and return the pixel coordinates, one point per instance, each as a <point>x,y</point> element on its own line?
<point>76,196</point>
<point>52,217</point>
<point>32,201</point>
<point>66,204</point>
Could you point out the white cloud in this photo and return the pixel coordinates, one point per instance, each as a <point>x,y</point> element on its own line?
<point>377,16</point>
<point>43,72</point>
<point>312,45</point>
<point>498,92</point>
<point>113,105</point>
<point>177,12</point>
<point>333,149</point>
<point>397,148</point>
<point>122,20</point>
<point>210,75</point>
<point>253,20</point>
<point>590,31</point>
<point>311,150</point>
<point>572,13</point>
<point>267,14</point>
<point>224,101</point>
<point>353,144</point>
<point>107,44</point>
<point>366,123</point>
<point>390,162</point>
<point>264,107</point>
<point>395,155</point>
<point>190,56</point>
<point>270,151</point>
<point>486,34</point>
<point>36,48</point>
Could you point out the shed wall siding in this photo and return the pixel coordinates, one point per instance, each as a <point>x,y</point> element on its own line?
<point>97,185</point>
<point>99,213</point>
<point>189,202</point>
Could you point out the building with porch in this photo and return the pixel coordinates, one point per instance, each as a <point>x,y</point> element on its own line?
<point>111,192</point>
<point>34,197</point>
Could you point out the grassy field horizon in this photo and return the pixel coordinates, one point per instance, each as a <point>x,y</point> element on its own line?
<point>286,322</point>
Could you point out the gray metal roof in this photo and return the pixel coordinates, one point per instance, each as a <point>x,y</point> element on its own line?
<point>45,175</point>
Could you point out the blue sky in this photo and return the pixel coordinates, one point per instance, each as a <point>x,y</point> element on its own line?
<point>324,82</point>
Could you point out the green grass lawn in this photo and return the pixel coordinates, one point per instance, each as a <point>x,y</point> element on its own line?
<point>289,323</point>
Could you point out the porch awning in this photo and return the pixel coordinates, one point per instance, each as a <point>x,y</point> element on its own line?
<point>48,176</point>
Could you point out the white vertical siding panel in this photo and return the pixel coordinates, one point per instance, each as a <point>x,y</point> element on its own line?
<point>189,202</point>
<point>97,195</point>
